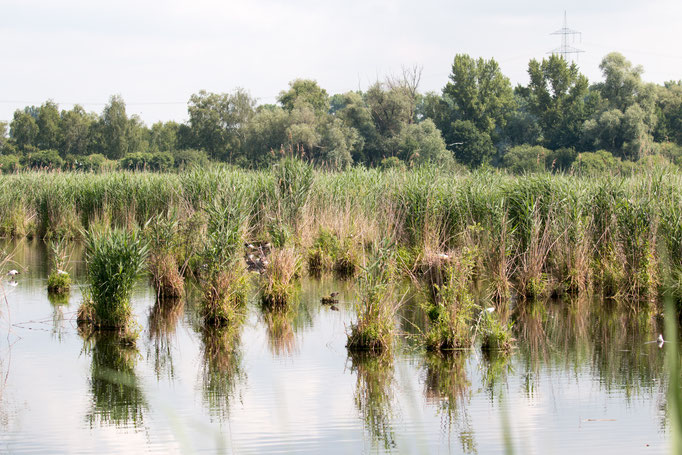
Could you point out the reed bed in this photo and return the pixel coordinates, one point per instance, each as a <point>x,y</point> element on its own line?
<point>528,238</point>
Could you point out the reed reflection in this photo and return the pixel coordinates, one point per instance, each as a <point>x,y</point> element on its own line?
<point>58,302</point>
<point>222,368</point>
<point>447,386</point>
<point>279,323</point>
<point>600,336</point>
<point>163,321</point>
<point>117,398</point>
<point>374,394</point>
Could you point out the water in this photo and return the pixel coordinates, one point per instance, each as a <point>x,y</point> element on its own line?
<point>581,379</point>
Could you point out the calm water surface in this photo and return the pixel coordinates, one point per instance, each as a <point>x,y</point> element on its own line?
<point>582,379</point>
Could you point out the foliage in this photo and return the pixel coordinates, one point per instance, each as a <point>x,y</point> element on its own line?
<point>114,260</point>
<point>374,328</point>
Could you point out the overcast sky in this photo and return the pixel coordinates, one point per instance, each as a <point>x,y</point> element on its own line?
<point>156,54</point>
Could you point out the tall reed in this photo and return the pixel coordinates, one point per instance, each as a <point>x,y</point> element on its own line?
<point>114,260</point>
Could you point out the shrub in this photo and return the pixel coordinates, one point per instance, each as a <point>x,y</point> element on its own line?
<point>43,159</point>
<point>525,158</point>
<point>9,163</point>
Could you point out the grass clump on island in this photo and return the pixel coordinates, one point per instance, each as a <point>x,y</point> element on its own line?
<point>114,258</point>
<point>59,280</point>
<point>222,274</point>
<point>164,242</point>
<point>374,327</point>
<point>281,277</point>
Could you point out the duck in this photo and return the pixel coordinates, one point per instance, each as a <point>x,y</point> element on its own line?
<point>13,272</point>
<point>330,300</point>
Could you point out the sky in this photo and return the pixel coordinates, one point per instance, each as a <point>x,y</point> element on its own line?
<point>155,54</point>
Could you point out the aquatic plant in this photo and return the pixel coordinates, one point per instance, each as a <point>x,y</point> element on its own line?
<point>114,260</point>
<point>496,334</point>
<point>451,306</point>
<point>374,328</point>
<point>162,233</point>
<point>280,277</point>
<point>59,280</point>
<point>223,276</point>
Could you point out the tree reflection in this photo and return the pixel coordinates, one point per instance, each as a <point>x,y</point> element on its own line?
<point>374,394</point>
<point>117,398</point>
<point>222,369</point>
<point>163,320</point>
<point>446,385</point>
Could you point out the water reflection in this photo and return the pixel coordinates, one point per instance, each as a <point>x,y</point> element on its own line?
<point>280,329</point>
<point>374,394</point>
<point>162,321</point>
<point>58,322</point>
<point>600,336</point>
<point>222,368</point>
<point>447,386</point>
<point>497,367</point>
<point>117,398</point>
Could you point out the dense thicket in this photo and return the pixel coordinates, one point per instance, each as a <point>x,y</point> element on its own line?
<point>557,121</point>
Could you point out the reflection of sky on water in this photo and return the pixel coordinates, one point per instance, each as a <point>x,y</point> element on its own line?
<point>563,391</point>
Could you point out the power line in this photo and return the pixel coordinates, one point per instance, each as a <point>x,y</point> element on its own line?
<point>565,49</point>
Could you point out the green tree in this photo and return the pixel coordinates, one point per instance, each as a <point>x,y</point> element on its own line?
<point>115,128</point>
<point>356,114</point>
<point>556,97</point>
<point>23,129</point>
<point>480,93</point>
<point>163,137</point>
<point>422,142</point>
<point>218,121</point>
<point>470,146</point>
<point>526,158</point>
<point>626,118</point>
<point>266,135</point>
<point>75,131</point>
<point>305,90</point>
<point>48,126</point>
<point>669,112</point>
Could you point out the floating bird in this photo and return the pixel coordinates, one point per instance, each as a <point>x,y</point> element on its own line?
<point>13,272</point>
<point>328,300</point>
<point>443,256</point>
<point>62,272</point>
<point>660,339</point>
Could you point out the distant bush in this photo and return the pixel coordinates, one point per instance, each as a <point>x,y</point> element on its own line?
<point>9,163</point>
<point>136,161</point>
<point>561,160</point>
<point>161,161</point>
<point>43,159</point>
<point>392,162</point>
<point>183,159</point>
<point>526,158</point>
<point>671,151</point>
<point>595,163</point>
<point>142,161</point>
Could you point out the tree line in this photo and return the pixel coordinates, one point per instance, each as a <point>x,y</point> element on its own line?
<point>558,121</point>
